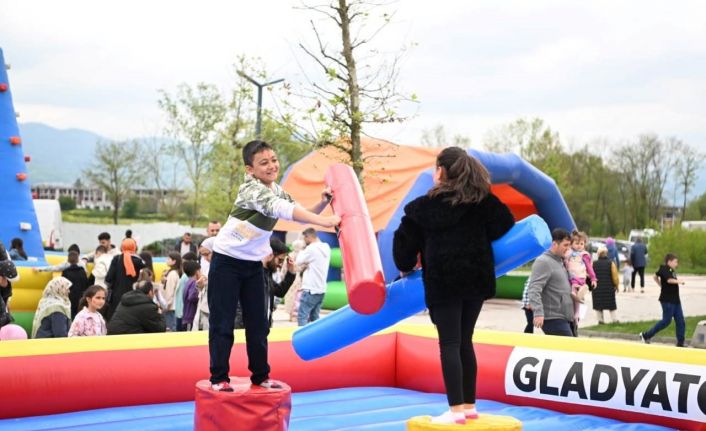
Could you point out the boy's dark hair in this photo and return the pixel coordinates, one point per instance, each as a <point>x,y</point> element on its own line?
<point>101,249</point>
<point>560,234</point>
<point>310,231</point>
<point>103,236</point>
<point>278,247</point>
<point>668,257</point>
<point>189,255</point>
<point>191,267</point>
<point>252,148</point>
<point>144,286</point>
<point>74,247</point>
<point>146,257</point>
<point>73,258</point>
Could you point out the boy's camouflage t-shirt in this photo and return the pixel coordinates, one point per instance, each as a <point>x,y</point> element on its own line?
<point>246,234</point>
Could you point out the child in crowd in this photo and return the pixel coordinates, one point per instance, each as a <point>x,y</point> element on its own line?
<point>89,321</point>
<point>666,277</point>
<point>202,312</point>
<point>627,276</point>
<point>179,295</point>
<point>63,265</point>
<point>17,249</point>
<point>236,275</point>
<point>170,281</point>
<point>101,264</point>
<point>79,281</point>
<point>291,299</point>
<point>578,264</point>
<point>192,270</point>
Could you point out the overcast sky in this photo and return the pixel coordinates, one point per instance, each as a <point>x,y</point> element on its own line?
<point>590,69</point>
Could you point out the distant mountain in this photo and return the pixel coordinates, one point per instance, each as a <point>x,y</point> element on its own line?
<point>58,155</point>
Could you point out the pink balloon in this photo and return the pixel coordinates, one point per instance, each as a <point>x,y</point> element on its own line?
<point>12,332</point>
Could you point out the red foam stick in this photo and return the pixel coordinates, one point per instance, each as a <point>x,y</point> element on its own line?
<point>363,274</point>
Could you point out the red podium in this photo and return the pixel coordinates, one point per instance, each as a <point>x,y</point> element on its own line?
<point>248,407</point>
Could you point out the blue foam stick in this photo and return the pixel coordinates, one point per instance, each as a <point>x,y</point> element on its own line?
<point>528,239</point>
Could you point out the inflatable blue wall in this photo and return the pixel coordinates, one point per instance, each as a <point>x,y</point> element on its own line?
<point>17,216</point>
<point>504,169</point>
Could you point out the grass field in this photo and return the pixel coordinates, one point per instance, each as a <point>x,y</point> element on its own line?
<point>637,327</point>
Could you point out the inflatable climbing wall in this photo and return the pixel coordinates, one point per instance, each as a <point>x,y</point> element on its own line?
<point>17,216</point>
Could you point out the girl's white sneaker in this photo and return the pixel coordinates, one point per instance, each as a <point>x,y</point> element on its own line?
<point>470,413</point>
<point>449,417</point>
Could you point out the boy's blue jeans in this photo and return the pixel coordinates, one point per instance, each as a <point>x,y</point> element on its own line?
<point>669,311</point>
<point>232,281</point>
<point>309,307</point>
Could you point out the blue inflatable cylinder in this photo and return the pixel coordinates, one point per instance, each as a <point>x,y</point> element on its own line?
<point>528,239</point>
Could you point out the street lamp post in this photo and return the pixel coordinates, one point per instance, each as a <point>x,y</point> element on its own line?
<point>258,124</point>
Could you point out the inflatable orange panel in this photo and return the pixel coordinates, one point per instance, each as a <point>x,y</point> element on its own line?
<point>363,274</point>
<point>247,407</point>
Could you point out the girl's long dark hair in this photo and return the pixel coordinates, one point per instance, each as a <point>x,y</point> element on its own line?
<point>88,294</point>
<point>176,257</point>
<point>467,180</point>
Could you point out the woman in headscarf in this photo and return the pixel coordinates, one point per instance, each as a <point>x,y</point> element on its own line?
<point>124,271</point>
<point>53,316</point>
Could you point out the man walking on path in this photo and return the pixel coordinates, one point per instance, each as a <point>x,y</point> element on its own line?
<point>638,257</point>
<point>549,289</point>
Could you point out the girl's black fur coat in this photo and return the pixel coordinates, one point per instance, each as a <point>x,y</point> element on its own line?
<point>454,243</point>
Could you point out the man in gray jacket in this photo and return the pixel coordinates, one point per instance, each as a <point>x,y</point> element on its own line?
<point>549,290</point>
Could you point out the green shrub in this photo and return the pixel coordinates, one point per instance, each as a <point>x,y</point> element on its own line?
<point>688,245</point>
<point>129,209</point>
<point>67,203</point>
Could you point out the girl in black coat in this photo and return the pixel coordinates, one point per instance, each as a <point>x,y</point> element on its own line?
<point>452,228</point>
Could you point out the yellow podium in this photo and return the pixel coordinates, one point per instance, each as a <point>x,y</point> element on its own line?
<point>483,423</point>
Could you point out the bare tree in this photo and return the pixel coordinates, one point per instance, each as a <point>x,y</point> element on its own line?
<point>646,166</point>
<point>360,86</point>
<point>163,173</point>
<point>194,116</point>
<point>116,170</point>
<point>688,163</point>
<point>437,137</point>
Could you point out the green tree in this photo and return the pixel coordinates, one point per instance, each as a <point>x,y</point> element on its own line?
<point>115,170</point>
<point>195,116</point>
<point>358,87</point>
<point>696,210</point>
<point>225,159</point>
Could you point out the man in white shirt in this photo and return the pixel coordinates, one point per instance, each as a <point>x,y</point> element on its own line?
<point>316,257</point>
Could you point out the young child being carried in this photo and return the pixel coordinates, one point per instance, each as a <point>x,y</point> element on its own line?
<point>236,272</point>
<point>578,264</point>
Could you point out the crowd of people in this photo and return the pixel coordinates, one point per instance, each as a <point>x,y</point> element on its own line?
<point>120,295</point>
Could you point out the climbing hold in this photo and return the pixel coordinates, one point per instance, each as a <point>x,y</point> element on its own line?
<point>3,87</point>
<point>21,176</point>
<point>15,140</point>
